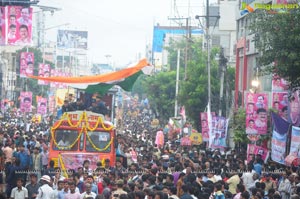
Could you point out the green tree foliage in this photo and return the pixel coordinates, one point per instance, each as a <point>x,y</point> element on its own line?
<point>278,41</point>
<point>238,127</point>
<point>28,83</point>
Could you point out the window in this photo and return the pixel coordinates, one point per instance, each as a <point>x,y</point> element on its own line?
<point>99,140</point>
<point>65,138</point>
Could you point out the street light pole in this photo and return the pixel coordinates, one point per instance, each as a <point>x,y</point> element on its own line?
<point>208,55</point>
<point>177,83</point>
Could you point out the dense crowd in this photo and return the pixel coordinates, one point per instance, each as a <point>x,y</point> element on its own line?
<point>142,170</point>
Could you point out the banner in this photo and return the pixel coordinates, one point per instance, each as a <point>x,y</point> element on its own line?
<point>279,84</point>
<point>42,106</point>
<point>74,161</point>
<point>294,109</point>
<point>26,64</point>
<point>26,102</point>
<point>256,113</point>
<point>72,39</point>
<point>204,125</point>
<point>280,102</point>
<point>295,142</point>
<point>51,103</point>
<point>254,150</point>
<point>19,25</point>
<point>3,26</point>
<point>218,133</point>
<point>196,138</point>
<point>44,71</point>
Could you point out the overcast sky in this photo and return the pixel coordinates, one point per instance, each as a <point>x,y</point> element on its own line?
<point>118,28</point>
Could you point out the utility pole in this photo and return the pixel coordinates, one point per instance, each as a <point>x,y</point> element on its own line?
<point>177,83</point>
<point>222,67</point>
<point>187,37</point>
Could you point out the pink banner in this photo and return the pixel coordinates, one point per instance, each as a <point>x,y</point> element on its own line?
<point>19,25</point>
<point>253,150</point>
<point>26,102</point>
<point>51,104</point>
<point>204,125</point>
<point>219,133</point>
<point>74,161</point>
<point>3,26</point>
<point>279,84</point>
<point>26,64</point>
<point>42,106</point>
<point>280,102</point>
<point>256,113</point>
<point>294,109</point>
<point>44,71</point>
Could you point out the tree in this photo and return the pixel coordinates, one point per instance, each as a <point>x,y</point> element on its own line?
<point>238,126</point>
<point>278,41</point>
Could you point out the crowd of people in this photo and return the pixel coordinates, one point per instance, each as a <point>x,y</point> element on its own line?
<point>142,170</point>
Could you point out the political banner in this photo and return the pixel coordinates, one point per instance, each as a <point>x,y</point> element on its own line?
<point>196,138</point>
<point>51,103</point>
<point>279,84</point>
<point>72,39</point>
<point>218,133</point>
<point>74,160</point>
<point>26,64</point>
<point>254,150</point>
<point>3,26</point>
<point>295,142</point>
<point>256,113</point>
<point>280,102</point>
<point>44,71</point>
<point>294,109</point>
<point>42,105</point>
<point>26,102</point>
<point>204,125</point>
<point>19,31</point>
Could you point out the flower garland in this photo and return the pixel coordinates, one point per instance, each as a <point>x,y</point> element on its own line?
<point>65,147</point>
<point>94,146</point>
<point>79,121</point>
<point>60,121</point>
<point>104,127</point>
<point>62,165</point>
<point>96,125</point>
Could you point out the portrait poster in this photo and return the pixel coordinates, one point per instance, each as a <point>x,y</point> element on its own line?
<point>19,25</point>
<point>3,26</point>
<point>294,108</point>
<point>44,71</point>
<point>26,102</point>
<point>256,113</point>
<point>254,150</point>
<point>51,103</point>
<point>205,126</point>
<point>218,134</point>
<point>42,105</point>
<point>295,142</point>
<point>280,102</point>
<point>26,64</point>
<point>278,152</point>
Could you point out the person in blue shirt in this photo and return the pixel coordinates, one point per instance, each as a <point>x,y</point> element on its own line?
<point>24,158</point>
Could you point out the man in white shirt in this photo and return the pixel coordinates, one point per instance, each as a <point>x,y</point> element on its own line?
<point>88,192</point>
<point>45,191</point>
<point>19,192</point>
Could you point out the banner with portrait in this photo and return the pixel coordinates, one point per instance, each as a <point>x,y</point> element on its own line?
<point>19,25</point>
<point>26,64</point>
<point>42,105</point>
<point>280,102</point>
<point>295,142</point>
<point>51,103</point>
<point>204,125</point>
<point>44,71</point>
<point>2,26</point>
<point>72,39</point>
<point>256,113</point>
<point>218,136</point>
<point>26,102</point>
<point>294,108</point>
<point>254,150</point>
<point>279,84</point>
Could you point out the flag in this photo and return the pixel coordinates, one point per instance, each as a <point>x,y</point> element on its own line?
<point>182,113</point>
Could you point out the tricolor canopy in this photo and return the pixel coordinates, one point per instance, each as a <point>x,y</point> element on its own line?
<point>101,83</point>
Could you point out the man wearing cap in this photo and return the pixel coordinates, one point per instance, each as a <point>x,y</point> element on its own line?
<point>45,191</point>
<point>33,186</point>
<point>88,192</point>
<point>116,194</point>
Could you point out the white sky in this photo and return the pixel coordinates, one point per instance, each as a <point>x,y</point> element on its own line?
<point>120,28</point>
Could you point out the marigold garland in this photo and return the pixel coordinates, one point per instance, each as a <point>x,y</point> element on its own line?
<point>62,165</point>
<point>94,146</point>
<point>78,123</point>
<point>65,147</point>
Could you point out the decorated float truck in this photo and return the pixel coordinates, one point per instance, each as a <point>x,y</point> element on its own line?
<point>79,136</point>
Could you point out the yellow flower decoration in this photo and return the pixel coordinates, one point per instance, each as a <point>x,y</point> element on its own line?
<point>65,147</point>
<point>65,174</point>
<point>94,146</point>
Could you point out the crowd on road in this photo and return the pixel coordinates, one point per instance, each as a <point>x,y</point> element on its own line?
<point>145,171</point>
